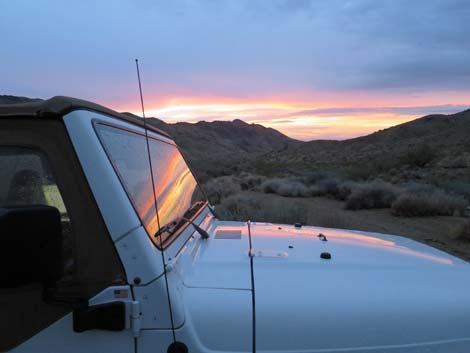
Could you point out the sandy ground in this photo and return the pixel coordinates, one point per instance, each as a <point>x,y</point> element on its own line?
<point>434,231</point>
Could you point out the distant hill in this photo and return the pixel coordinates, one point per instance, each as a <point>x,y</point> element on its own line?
<point>436,142</point>
<point>442,132</point>
<point>6,99</point>
<point>215,148</point>
<point>224,147</point>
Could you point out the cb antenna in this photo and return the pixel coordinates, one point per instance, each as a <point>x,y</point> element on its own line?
<point>155,201</point>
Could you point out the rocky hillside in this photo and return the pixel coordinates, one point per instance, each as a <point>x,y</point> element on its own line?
<point>444,133</point>
<point>433,145</point>
<point>224,147</point>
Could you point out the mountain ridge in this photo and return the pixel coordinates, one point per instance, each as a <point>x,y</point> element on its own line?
<point>228,147</point>
<point>222,147</point>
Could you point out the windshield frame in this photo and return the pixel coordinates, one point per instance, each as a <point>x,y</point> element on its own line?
<point>161,244</point>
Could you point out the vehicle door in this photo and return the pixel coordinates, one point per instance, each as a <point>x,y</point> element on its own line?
<point>88,306</point>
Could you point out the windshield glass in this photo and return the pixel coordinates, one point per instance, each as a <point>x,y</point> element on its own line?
<point>177,192</point>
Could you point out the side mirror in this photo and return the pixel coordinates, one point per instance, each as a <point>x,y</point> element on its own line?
<point>30,245</point>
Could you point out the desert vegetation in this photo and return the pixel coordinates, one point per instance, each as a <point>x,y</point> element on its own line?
<point>431,213</point>
<point>436,203</point>
<point>406,200</point>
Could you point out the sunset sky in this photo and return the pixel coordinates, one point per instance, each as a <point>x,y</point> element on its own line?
<point>311,69</point>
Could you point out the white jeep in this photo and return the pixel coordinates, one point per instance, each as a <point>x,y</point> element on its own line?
<point>107,244</point>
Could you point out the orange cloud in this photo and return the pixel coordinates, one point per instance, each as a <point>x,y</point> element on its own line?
<point>303,118</point>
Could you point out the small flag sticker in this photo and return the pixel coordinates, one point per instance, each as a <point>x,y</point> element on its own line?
<point>121,293</point>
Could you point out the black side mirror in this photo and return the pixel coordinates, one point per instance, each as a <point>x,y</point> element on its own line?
<point>30,246</point>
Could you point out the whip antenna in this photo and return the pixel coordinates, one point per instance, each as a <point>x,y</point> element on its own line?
<point>155,201</point>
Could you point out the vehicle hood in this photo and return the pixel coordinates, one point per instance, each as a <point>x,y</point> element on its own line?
<point>376,291</point>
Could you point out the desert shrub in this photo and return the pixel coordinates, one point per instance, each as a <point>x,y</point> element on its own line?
<point>462,232</point>
<point>360,172</point>
<point>368,170</point>
<point>324,187</point>
<point>416,188</point>
<point>457,163</point>
<point>339,190</point>
<point>265,167</point>
<point>314,177</point>
<point>239,207</point>
<point>271,186</point>
<point>293,189</point>
<point>458,188</point>
<point>316,190</point>
<point>243,207</point>
<point>436,203</point>
<point>418,156</point>
<point>219,188</point>
<point>285,187</point>
<point>334,188</point>
<point>373,195</point>
<point>249,181</point>
<point>384,165</point>
<point>207,169</point>
<point>345,189</point>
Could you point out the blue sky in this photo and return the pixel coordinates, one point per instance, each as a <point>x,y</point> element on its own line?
<point>217,59</point>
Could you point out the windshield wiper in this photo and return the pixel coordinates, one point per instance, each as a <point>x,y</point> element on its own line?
<point>193,209</point>
<point>172,227</point>
<point>167,228</point>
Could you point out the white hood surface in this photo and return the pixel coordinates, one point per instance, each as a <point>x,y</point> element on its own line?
<point>377,292</point>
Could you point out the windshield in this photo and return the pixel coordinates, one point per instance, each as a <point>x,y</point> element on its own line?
<point>177,191</point>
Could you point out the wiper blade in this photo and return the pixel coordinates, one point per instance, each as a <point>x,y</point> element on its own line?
<point>173,226</point>
<point>193,209</point>
<point>161,231</point>
<point>169,228</point>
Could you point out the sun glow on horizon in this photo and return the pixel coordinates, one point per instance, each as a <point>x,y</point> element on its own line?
<point>297,119</point>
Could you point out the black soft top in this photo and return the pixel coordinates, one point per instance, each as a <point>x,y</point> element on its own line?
<point>57,107</point>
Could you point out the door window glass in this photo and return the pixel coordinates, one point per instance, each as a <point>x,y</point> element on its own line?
<point>27,180</point>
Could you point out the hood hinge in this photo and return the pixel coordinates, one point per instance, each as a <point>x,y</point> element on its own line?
<point>135,318</point>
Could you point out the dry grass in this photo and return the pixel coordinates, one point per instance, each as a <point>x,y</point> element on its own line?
<point>219,188</point>
<point>322,186</point>
<point>408,200</point>
<point>330,220</point>
<point>252,206</point>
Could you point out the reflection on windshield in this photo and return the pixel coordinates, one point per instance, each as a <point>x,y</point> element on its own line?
<point>175,186</point>
<point>176,189</point>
